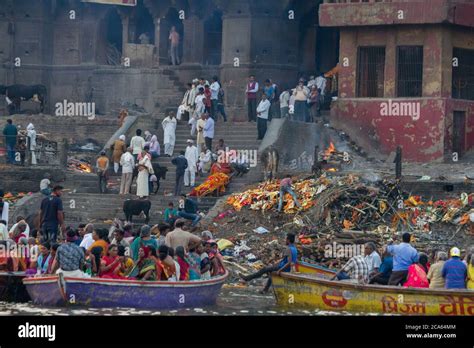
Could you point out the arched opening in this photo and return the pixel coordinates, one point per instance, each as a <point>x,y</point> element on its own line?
<point>114,30</point>
<point>141,26</point>
<point>213,41</point>
<point>109,49</point>
<point>172,20</point>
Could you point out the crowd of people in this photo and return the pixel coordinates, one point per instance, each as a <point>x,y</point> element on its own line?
<point>403,265</point>
<point>166,252</point>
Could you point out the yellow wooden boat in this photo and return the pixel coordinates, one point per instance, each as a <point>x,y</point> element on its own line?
<point>311,268</point>
<point>310,291</point>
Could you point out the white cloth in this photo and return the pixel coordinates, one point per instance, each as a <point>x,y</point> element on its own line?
<point>285,99</point>
<point>204,159</point>
<point>6,206</point>
<point>44,184</point>
<point>373,261</point>
<point>169,128</point>
<point>32,135</point>
<point>263,108</point>
<point>200,107</point>
<point>74,274</point>
<point>215,87</point>
<point>87,241</point>
<point>137,143</point>
<point>127,162</point>
<point>209,128</point>
<point>321,84</point>
<point>3,232</point>
<point>27,230</point>
<point>192,157</point>
<point>175,278</point>
<point>143,176</point>
<point>190,173</point>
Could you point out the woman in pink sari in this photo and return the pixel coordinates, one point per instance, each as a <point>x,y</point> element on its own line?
<point>110,264</point>
<point>417,273</point>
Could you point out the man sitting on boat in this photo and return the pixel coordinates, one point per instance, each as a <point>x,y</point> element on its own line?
<point>179,237</point>
<point>404,255</point>
<point>69,258</point>
<point>372,258</point>
<point>355,270</point>
<point>285,265</point>
<point>385,270</point>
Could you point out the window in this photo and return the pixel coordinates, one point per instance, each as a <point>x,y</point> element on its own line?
<point>409,71</point>
<point>463,74</point>
<point>370,78</point>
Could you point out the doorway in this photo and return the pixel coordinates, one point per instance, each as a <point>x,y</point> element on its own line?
<point>459,132</point>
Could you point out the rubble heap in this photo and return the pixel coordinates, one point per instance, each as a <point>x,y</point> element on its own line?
<point>341,210</point>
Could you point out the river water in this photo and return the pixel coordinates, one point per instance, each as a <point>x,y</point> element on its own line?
<point>232,301</point>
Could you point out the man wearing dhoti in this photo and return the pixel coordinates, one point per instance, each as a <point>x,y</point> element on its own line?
<point>169,128</point>
<point>192,157</point>
<point>32,135</point>
<point>145,168</point>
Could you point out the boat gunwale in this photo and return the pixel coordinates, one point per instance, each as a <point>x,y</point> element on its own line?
<point>126,282</point>
<point>12,274</point>
<point>372,288</point>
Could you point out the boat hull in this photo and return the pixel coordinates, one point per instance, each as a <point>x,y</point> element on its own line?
<point>113,293</point>
<point>309,292</point>
<point>45,291</point>
<point>12,288</point>
<point>103,293</point>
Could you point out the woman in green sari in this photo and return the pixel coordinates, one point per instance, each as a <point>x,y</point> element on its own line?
<point>145,269</point>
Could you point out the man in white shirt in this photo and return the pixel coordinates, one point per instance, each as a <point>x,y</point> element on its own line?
<point>262,116</point>
<point>192,157</point>
<point>321,83</point>
<point>285,103</point>
<point>45,185</point>
<point>3,231</point>
<point>87,241</point>
<point>215,87</point>
<point>372,258</point>
<point>137,144</point>
<point>198,111</point>
<point>128,164</point>
<point>21,221</point>
<point>209,131</point>
<point>169,138</point>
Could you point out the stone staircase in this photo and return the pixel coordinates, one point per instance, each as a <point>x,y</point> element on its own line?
<point>93,206</point>
<point>99,209</point>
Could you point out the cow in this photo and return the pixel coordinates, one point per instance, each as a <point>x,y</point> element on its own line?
<point>270,159</point>
<point>17,93</point>
<point>160,173</point>
<point>136,207</point>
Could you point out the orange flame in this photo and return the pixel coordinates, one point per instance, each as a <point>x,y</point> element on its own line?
<point>331,149</point>
<point>331,170</point>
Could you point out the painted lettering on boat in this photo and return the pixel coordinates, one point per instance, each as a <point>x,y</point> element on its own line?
<point>392,305</point>
<point>457,305</point>
<point>334,299</point>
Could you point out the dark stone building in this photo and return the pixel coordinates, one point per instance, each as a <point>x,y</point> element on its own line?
<point>84,51</point>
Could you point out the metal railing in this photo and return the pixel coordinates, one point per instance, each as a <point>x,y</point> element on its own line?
<point>463,74</point>
<point>409,71</point>
<point>46,152</point>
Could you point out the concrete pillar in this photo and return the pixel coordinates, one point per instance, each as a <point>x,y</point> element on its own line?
<point>193,36</point>
<point>348,61</point>
<point>390,72</point>
<point>125,24</point>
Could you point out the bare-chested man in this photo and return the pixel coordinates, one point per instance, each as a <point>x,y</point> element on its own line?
<point>181,238</point>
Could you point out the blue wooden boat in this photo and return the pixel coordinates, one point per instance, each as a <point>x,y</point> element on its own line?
<point>112,293</point>
<point>46,291</point>
<point>12,288</point>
